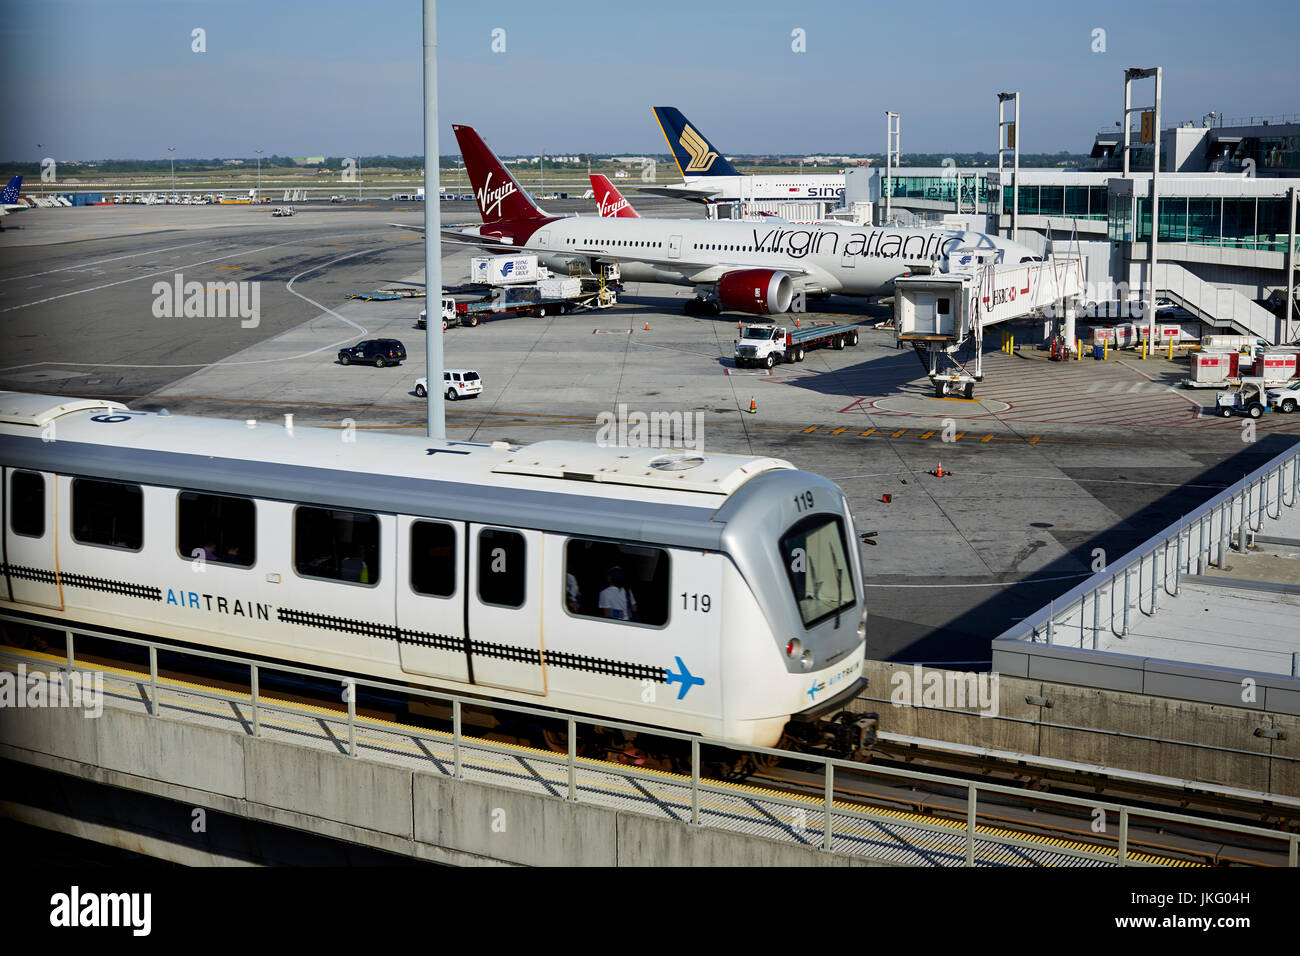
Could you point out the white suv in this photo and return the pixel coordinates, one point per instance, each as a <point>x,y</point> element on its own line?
<point>458,383</point>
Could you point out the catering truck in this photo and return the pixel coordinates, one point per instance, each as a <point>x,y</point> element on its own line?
<point>765,344</point>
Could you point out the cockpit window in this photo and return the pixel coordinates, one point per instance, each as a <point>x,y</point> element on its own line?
<point>821,576</point>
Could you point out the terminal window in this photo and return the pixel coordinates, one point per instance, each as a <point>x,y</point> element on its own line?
<point>27,504</point>
<point>433,558</point>
<point>107,513</point>
<point>337,545</point>
<point>605,579</point>
<point>502,568</point>
<point>219,528</point>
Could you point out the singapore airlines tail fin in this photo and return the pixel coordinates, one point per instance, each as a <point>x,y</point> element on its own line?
<point>500,198</point>
<point>695,155</point>
<point>609,200</point>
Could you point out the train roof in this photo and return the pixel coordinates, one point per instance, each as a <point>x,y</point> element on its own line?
<point>551,485</point>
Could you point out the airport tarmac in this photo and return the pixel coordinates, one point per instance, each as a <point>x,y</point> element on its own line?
<point>1051,462</point>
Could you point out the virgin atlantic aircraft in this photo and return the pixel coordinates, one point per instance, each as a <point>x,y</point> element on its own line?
<point>735,265</point>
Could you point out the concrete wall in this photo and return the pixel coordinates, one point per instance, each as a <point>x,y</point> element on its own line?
<point>385,808</point>
<point>1183,731</point>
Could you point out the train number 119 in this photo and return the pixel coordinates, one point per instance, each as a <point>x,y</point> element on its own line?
<point>696,602</point>
<point>804,501</point>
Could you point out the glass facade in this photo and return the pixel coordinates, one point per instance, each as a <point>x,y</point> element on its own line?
<point>936,188</point>
<point>1260,224</point>
<point>1073,202</point>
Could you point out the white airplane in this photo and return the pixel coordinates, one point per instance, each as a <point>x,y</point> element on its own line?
<point>707,176</point>
<point>754,267</point>
<point>9,198</point>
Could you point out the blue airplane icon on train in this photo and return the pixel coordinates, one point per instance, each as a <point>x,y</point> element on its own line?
<point>683,677</point>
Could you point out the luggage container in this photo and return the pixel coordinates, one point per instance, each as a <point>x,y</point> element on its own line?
<point>559,288</point>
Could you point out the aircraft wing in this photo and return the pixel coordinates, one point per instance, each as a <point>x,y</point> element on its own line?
<point>691,193</point>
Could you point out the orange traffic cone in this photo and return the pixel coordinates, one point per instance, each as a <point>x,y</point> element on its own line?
<point>796,323</point>
<point>647,327</point>
<point>753,406</point>
<point>939,472</point>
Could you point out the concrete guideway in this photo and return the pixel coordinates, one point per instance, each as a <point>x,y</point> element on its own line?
<point>432,795</point>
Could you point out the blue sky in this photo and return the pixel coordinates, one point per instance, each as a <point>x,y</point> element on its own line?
<point>96,79</point>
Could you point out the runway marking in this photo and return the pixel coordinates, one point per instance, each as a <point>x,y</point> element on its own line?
<point>204,365</point>
<point>150,275</point>
<point>834,431</point>
<point>230,267</point>
<point>97,262</point>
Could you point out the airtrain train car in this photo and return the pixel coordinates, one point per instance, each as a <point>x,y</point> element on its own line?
<point>712,594</point>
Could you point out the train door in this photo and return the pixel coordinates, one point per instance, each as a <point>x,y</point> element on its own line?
<point>30,553</point>
<point>504,608</point>
<point>431,598</point>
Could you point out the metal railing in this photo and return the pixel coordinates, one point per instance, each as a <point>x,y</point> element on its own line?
<point>995,833</point>
<point>1111,600</point>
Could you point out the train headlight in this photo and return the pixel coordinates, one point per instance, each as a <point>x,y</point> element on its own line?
<point>862,627</point>
<point>794,648</point>
<point>806,660</point>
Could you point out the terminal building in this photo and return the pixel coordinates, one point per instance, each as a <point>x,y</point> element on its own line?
<point>1227,239</point>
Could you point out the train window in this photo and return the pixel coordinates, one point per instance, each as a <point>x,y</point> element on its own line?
<point>220,528</point>
<point>501,568</point>
<point>614,581</point>
<point>27,504</point>
<point>433,558</point>
<point>107,513</point>
<point>339,545</point>
<point>820,575</point>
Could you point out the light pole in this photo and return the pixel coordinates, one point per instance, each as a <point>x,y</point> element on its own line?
<point>259,174</point>
<point>41,162</point>
<point>172,151</point>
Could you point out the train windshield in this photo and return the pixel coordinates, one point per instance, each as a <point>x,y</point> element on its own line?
<point>819,570</point>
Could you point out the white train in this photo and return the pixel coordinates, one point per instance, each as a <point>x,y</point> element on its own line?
<point>712,594</point>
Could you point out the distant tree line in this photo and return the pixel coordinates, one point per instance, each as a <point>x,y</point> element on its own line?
<point>416,163</point>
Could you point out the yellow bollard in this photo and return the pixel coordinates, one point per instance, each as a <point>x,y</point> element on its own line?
<point>1105,349</point>
<point>1144,348</point>
<point>1171,350</point>
<point>1078,350</point>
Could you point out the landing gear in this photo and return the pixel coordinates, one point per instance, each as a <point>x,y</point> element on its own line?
<point>698,306</point>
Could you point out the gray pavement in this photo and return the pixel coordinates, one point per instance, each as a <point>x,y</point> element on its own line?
<point>1051,461</point>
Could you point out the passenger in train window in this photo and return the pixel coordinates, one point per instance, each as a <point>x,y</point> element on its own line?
<point>354,567</point>
<point>616,601</point>
<point>572,593</point>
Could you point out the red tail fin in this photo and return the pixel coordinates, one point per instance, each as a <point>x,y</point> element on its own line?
<point>609,200</point>
<point>500,198</point>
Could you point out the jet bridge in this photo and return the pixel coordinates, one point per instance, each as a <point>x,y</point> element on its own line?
<point>944,314</point>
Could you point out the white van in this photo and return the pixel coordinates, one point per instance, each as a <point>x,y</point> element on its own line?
<point>457,383</point>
